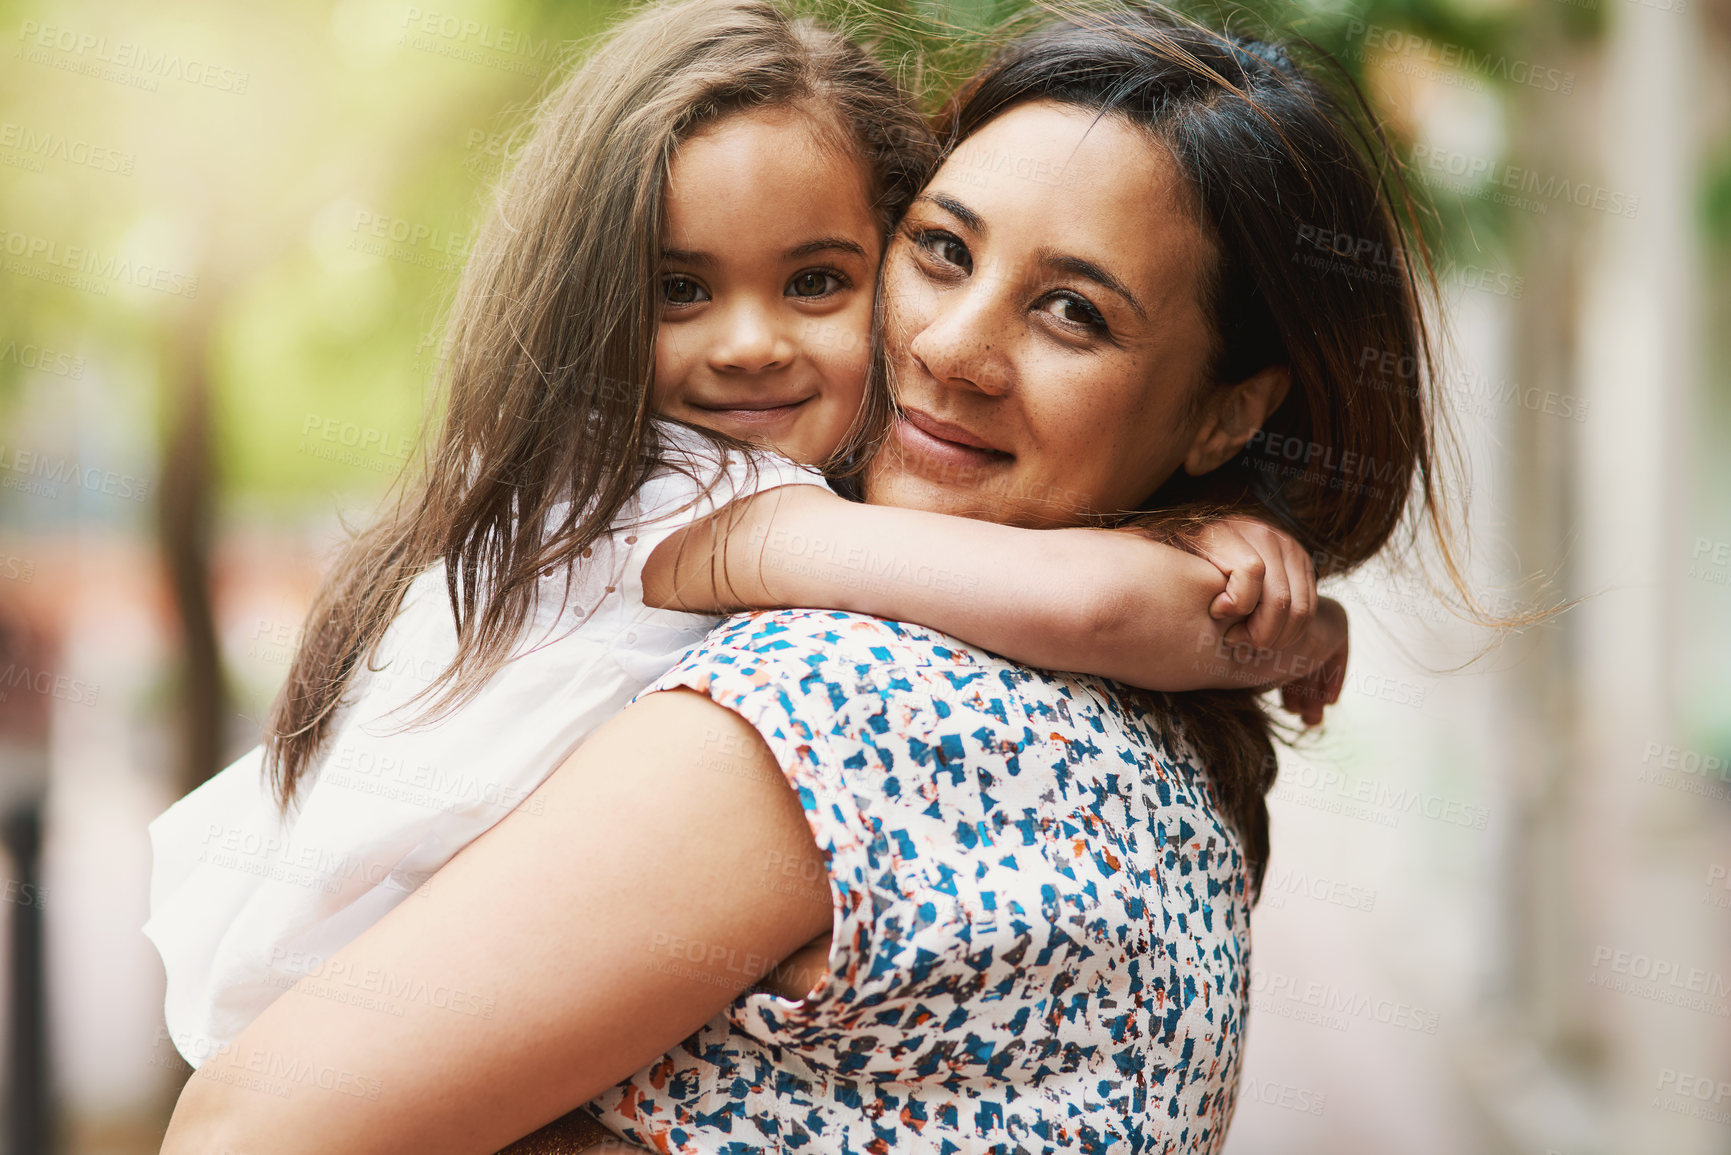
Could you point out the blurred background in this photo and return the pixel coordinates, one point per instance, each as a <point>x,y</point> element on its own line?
<point>1498,915</point>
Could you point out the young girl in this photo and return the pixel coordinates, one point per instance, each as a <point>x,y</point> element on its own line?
<point>680,270</point>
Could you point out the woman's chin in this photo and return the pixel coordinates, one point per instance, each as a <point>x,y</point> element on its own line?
<point>895,479</point>
<point>891,484</point>
<point>906,489</point>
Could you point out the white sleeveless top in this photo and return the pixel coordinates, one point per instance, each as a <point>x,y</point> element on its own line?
<point>244,902</point>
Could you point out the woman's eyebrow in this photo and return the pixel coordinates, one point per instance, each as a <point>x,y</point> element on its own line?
<point>1088,270</point>
<point>974,222</point>
<point>826,245</point>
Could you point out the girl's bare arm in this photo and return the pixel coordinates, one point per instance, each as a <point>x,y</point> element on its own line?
<point>1096,601</point>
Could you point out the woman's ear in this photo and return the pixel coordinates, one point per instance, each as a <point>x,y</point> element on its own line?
<point>1233,415</point>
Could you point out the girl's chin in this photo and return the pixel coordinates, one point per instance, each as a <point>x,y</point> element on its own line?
<point>799,433</point>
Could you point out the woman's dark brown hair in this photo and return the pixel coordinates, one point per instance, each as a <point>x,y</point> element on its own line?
<point>550,350</point>
<point>1318,267</point>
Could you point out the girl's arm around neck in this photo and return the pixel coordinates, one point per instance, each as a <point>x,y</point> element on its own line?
<point>1090,600</point>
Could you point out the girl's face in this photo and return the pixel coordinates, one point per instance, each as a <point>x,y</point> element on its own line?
<point>766,281</point>
<point>1043,325</point>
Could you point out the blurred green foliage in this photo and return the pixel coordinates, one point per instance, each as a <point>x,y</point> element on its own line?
<point>1716,200</point>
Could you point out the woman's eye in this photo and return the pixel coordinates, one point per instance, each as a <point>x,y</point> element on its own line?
<point>1074,310</point>
<point>814,283</point>
<point>677,290</point>
<point>946,248</point>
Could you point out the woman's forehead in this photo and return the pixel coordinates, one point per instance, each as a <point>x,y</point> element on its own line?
<point>1054,177</point>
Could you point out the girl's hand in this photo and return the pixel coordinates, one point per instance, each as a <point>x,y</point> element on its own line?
<point>1270,582</point>
<point>1326,644</point>
<point>1309,673</point>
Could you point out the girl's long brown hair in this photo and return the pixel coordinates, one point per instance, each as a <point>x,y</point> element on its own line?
<point>550,349</point>
<point>1320,267</point>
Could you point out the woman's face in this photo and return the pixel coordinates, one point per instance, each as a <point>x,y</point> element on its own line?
<point>1043,324</point>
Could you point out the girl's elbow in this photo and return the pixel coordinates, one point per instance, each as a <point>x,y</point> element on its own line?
<point>1094,624</point>
<point>1142,637</point>
<point>1100,617</point>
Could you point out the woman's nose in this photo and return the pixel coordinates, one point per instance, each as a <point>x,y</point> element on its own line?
<point>750,340</point>
<point>964,340</point>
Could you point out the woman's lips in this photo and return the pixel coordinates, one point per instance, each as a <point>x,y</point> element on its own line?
<point>946,444</point>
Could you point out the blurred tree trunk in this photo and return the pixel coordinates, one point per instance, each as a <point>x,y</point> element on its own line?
<point>29,1097</point>
<point>26,643</point>
<point>187,501</point>
<point>1639,851</point>
<point>1554,135</point>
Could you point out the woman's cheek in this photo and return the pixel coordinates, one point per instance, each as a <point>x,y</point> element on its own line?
<point>905,305</point>
<point>1074,444</point>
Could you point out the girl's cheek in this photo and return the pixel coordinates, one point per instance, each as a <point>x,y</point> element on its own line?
<point>660,383</point>
<point>855,372</point>
<point>830,339</point>
<point>677,349</point>
<point>842,349</point>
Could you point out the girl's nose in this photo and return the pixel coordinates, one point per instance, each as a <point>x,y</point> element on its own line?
<point>750,341</point>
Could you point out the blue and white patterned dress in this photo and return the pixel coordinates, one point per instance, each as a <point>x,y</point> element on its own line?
<point>1041,936</point>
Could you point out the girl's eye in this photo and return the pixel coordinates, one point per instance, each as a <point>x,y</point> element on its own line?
<point>677,290</point>
<point>814,283</point>
<point>1074,311</point>
<point>946,248</point>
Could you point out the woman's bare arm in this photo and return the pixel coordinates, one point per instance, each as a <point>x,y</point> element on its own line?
<point>562,951</point>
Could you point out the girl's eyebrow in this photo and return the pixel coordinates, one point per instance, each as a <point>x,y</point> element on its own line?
<point>820,245</point>
<point>688,257</point>
<point>826,245</point>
